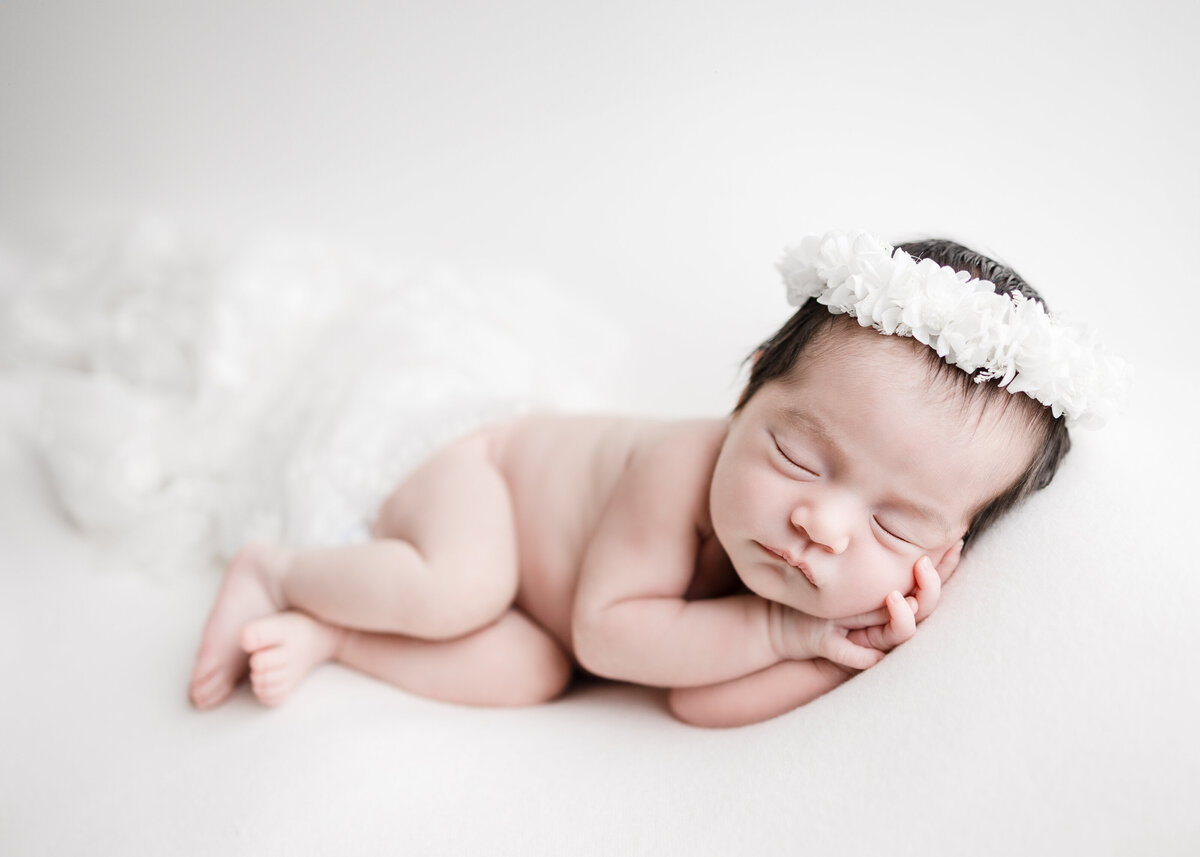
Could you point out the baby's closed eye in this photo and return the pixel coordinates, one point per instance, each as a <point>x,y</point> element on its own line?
<point>792,459</point>
<point>892,530</point>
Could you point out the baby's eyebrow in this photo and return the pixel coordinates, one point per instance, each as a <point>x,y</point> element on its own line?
<point>936,518</point>
<point>803,420</point>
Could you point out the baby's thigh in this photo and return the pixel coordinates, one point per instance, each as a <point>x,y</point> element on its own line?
<point>455,509</point>
<point>512,661</point>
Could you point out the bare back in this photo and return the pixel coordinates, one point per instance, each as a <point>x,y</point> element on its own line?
<point>562,472</point>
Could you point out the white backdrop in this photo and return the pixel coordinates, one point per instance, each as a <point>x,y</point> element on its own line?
<point>654,157</point>
<point>655,151</point>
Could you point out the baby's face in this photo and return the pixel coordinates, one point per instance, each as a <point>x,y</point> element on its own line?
<point>834,480</point>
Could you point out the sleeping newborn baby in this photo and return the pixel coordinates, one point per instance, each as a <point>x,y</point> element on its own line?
<point>748,564</point>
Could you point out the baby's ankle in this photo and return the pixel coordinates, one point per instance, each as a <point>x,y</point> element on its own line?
<point>271,564</point>
<point>339,636</point>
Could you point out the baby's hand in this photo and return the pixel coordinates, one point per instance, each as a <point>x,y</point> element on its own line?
<point>887,633</point>
<point>798,636</point>
<point>858,642</point>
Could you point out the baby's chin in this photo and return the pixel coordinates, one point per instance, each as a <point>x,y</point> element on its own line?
<point>812,603</point>
<point>774,589</point>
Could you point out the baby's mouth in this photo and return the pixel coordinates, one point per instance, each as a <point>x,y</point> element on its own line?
<point>800,569</point>
<point>794,567</point>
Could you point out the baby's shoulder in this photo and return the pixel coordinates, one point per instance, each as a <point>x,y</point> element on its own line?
<point>607,448</point>
<point>671,466</point>
<point>680,443</point>
<point>630,439</point>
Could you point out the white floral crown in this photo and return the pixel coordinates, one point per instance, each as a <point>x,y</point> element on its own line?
<point>1010,338</point>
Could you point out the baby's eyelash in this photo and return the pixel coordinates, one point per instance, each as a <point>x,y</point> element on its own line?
<point>889,532</point>
<point>791,460</point>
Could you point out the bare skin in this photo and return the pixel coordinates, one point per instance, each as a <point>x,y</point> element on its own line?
<point>748,564</point>
<point>249,591</point>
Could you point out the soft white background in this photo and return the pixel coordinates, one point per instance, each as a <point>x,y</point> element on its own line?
<point>654,157</point>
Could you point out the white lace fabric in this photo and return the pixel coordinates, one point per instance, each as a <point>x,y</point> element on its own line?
<point>194,397</point>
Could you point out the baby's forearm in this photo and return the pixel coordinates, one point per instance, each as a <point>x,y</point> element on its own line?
<point>754,698</point>
<point>669,642</point>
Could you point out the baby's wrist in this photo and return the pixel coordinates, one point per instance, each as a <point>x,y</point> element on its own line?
<point>786,643</point>
<point>774,627</point>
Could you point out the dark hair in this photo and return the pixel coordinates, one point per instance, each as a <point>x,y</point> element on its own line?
<point>776,357</point>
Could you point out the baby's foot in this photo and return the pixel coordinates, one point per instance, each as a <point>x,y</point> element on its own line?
<point>251,589</point>
<point>283,649</point>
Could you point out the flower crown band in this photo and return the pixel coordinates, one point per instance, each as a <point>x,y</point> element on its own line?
<point>1007,338</point>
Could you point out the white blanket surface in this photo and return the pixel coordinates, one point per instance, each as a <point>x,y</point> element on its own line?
<point>1055,683</point>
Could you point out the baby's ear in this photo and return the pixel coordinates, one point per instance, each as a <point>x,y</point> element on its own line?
<point>949,561</point>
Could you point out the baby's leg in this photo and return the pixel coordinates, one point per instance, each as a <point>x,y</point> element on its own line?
<point>249,590</point>
<point>284,648</point>
<point>444,562</point>
<point>510,662</point>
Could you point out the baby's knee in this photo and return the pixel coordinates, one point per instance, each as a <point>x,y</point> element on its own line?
<point>544,677</point>
<point>458,614</point>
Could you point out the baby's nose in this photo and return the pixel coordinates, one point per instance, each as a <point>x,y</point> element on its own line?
<point>822,525</point>
<point>839,545</point>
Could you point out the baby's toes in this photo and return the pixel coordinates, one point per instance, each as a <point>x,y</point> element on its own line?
<point>266,683</point>
<point>268,660</point>
<point>274,686</point>
<point>211,689</point>
<point>269,696</point>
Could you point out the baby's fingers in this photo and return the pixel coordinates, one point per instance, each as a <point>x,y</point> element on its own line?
<point>841,651</point>
<point>902,624</point>
<point>866,620</point>
<point>929,589</point>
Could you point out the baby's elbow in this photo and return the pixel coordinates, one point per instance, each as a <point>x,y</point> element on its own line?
<point>679,703</point>
<point>692,708</point>
<point>591,640</point>
<point>585,642</point>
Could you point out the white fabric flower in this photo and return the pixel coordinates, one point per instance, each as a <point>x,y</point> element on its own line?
<point>1006,338</point>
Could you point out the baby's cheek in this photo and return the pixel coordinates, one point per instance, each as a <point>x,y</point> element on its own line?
<point>881,573</point>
